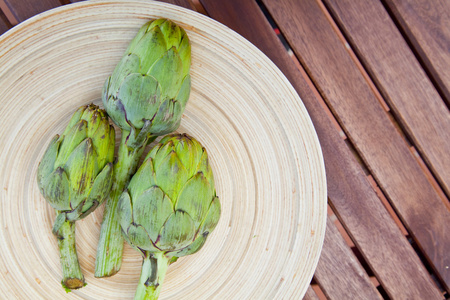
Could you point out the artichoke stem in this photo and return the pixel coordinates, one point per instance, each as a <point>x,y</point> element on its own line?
<point>154,268</point>
<point>72,276</point>
<point>110,245</point>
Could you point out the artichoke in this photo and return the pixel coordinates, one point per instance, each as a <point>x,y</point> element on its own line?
<point>75,176</point>
<point>169,207</point>
<point>150,86</point>
<point>145,96</point>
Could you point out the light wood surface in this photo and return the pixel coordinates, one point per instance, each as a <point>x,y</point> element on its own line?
<point>264,152</point>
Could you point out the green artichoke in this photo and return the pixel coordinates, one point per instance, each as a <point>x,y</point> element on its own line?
<point>75,176</point>
<point>145,96</point>
<point>169,207</point>
<point>150,86</point>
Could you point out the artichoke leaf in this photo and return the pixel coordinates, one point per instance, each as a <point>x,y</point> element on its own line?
<point>194,247</point>
<point>168,71</point>
<point>171,33</point>
<point>124,211</point>
<point>46,166</point>
<point>171,176</point>
<point>151,210</point>
<point>101,142</point>
<point>150,48</point>
<point>177,233</point>
<point>143,179</point>
<point>184,92</point>
<point>185,52</point>
<point>138,237</point>
<point>56,190</point>
<point>168,117</point>
<point>81,168</point>
<point>139,94</point>
<point>74,137</point>
<point>76,117</point>
<point>128,64</point>
<point>101,186</point>
<point>59,221</point>
<point>195,198</point>
<point>212,218</point>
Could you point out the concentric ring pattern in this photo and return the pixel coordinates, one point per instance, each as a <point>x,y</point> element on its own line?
<point>262,145</point>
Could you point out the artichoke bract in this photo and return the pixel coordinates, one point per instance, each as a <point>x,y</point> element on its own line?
<point>145,96</point>
<point>75,176</point>
<point>169,208</point>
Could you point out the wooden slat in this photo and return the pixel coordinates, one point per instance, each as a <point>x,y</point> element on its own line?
<point>310,294</point>
<point>182,3</point>
<point>24,9</point>
<point>375,234</point>
<point>3,23</point>
<point>339,273</point>
<point>367,125</point>
<point>426,24</point>
<point>403,83</point>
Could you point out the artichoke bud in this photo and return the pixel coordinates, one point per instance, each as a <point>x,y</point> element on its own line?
<point>170,204</point>
<point>151,82</point>
<point>75,173</point>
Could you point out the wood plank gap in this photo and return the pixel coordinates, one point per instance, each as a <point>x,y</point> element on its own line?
<point>352,54</point>
<point>387,205</point>
<point>316,288</point>
<point>5,21</point>
<point>340,227</point>
<point>199,7</point>
<point>430,177</point>
<point>419,53</point>
<point>12,19</point>
<point>316,93</point>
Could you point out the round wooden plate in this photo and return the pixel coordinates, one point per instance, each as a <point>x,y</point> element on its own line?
<point>263,148</point>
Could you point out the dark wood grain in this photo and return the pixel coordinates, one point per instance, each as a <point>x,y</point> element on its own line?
<point>426,25</point>
<point>367,125</point>
<point>3,23</point>
<point>389,254</point>
<point>402,81</point>
<point>310,294</point>
<point>24,9</point>
<point>182,3</point>
<point>339,273</point>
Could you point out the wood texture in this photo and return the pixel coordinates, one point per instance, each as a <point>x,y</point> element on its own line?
<point>426,25</point>
<point>310,294</point>
<point>401,79</point>
<point>3,23</point>
<point>263,149</point>
<point>368,127</point>
<point>339,273</point>
<point>183,3</point>
<point>352,196</point>
<point>24,9</point>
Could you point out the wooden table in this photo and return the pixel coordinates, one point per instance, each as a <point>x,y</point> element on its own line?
<point>375,78</point>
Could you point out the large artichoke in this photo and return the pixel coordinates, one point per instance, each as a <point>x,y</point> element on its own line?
<point>145,96</point>
<point>169,207</point>
<point>150,86</point>
<point>75,176</point>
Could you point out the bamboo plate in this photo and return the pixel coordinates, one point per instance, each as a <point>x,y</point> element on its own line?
<point>263,148</point>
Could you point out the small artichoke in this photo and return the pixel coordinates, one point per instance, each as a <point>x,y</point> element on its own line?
<point>150,86</point>
<point>75,176</point>
<point>169,207</point>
